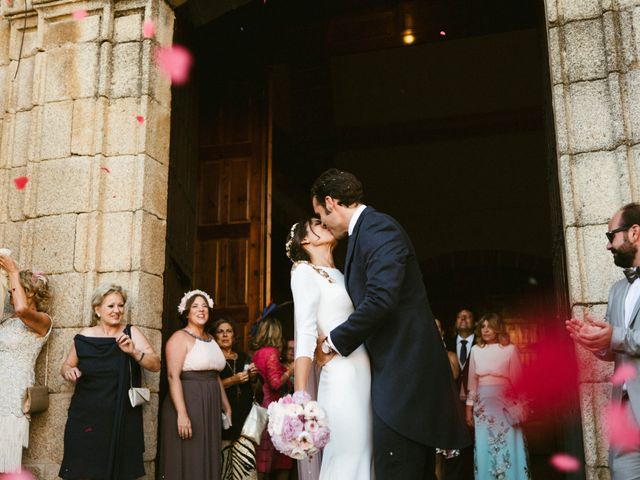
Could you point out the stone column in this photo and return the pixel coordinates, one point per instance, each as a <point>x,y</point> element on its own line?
<point>594,51</point>
<point>95,205</point>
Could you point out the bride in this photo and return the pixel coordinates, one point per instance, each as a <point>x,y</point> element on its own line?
<point>321,303</point>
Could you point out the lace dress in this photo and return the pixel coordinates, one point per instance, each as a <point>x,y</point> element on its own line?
<point>19,349</point>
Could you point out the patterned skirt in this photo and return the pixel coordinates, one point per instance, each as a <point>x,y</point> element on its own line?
<point>500,449</point>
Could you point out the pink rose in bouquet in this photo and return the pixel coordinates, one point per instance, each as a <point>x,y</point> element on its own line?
<point>297,426</point>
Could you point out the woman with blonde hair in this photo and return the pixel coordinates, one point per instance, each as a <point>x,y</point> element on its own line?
<point>22,336</point>
<point>268,344</point>
<point>103,437</point>
<point>494,364</point>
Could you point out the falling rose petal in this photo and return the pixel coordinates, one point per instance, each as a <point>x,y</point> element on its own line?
<point>565,463</point>
<point>149,29</point>
<point>23,475</point>
<point>175,62</point>
<point>79,14</point>
<point>140,119</point>
<point>623,373</point>
<point>443,33</point>
<point>622,432</point>
<point>21,182</point>
<point>105,169</point>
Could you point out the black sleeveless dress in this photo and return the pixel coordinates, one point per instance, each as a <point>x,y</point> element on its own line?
<point>103,438</point>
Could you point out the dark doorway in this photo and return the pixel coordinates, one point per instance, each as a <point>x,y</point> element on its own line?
<point>440,107</point>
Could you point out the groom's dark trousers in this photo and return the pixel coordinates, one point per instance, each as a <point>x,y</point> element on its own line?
<point>413,395</point>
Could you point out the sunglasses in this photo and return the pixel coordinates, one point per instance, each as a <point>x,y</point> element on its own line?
<point>611,234</point>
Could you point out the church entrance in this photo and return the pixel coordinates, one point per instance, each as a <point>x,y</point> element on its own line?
<point>442,109</point>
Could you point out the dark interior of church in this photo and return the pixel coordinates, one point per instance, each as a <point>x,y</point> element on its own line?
<point>440,107</point>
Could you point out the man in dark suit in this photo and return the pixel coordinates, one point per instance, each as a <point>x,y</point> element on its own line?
<point>414,397</point>
<point>461,467</point>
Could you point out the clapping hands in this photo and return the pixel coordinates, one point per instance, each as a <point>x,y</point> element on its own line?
<point>594,335</point>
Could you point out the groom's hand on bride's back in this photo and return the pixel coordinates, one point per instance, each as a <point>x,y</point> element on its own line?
<point>320,356</point>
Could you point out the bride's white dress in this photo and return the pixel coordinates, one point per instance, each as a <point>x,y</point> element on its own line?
<point>321,303</point>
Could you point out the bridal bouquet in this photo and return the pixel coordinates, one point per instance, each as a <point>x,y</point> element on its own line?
<point>297,425</point>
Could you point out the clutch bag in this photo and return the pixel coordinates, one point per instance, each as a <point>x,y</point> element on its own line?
<point>255,423</point>
<point>139,396</point>
<point>36,399</point>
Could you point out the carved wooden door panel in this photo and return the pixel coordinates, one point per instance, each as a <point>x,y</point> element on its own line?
<point>232,247</point>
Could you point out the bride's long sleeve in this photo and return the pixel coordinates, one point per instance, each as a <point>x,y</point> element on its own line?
<point>306,296</point>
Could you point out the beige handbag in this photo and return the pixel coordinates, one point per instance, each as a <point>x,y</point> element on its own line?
<point>36,398</point>
<point>255,423</point>
<point>137,395</point>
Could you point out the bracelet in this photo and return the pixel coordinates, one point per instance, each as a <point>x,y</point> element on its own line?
<point>141,357</point>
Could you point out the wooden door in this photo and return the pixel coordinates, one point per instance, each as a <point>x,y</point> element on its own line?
<point>232,247</point>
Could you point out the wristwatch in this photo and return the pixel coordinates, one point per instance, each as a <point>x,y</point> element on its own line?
<point>326,347</point>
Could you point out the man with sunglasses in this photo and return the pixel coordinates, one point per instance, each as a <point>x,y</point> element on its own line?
<point>617,338</point>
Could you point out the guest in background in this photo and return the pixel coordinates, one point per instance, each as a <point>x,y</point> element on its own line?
<point>493,366</point>
<point>22,336</point>
<point>289,359</point>
<point>267,345</point>
<point>103,437</point>
<point>191,413</point>
<point>453,359</point>
<point>461,467</point>
<point>238,454</point>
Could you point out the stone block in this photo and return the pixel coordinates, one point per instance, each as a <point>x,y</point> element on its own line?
<point>151,380</point>
<point>128,28</point>
<point>5,185</point>
<point>4,89</point>
<point>154,83</point>
<point>614,56</point>
<point>104,72</point>
<point>150,470</point>
<point>60,30</point>
<point>147,290</point>
<point>86,242</point>
<point>560,118</point>
<point>119,187</point>
<point>632,94</point>
<point>149,239</point>
<point>53,243</point>
<point>155,187</point>
<point>126,74</point>
<point>28,36</point>
<point>23,128</point>
<point>599,185</point>
<point>69,298</point>
<point>163,16</point>
<point>22,86</point>
<point>584,50</point>
<point>6,139</point>
<point>120,138</point>
<point>18,199</point>
<point>115,232</point>
<point>150,422</point>
<point>46,436</point>
<point>555,56</point>
<point>59,346</point>
<point>5,36</point>
<point>579,9</point>
<point>591,116</point>
<point>12,235</point>
<point>57,119</point>
<point>71,72</point>
<point>157,132</point>
<point>85,125</point>
<point>64,185</point>
<point>593,399</point>
<point>634,153</point>
<point>624,33</point>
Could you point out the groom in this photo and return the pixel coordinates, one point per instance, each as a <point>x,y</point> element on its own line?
<point>415,407</point>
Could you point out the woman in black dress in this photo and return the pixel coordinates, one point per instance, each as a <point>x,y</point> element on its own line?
<point>103,438</point>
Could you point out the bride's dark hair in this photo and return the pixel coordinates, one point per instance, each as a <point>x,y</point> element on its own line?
<point>294,248</point>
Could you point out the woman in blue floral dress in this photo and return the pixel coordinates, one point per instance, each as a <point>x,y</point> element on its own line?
<point>500,448</point>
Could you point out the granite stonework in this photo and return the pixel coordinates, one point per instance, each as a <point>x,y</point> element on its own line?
<point>594,46</point>
<point>94,208</point>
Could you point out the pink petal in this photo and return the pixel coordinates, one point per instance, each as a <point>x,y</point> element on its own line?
<point>21,182</point>
<point>565,462</point>
<point>623,433</point>
<point>175,62</point>
<point>140,119</point>
<point>24,475</point>
<point>443,33</point>
<point>149,29</point>
<point>623,373</point>
<point>105,169</point>
<point>9,3</point>
<point>79,14</point>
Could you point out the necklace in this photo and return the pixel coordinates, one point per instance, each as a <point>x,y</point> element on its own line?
<point>197,337</point>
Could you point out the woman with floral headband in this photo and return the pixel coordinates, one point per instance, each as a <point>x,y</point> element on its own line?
<point>191,413</point>
<point>22,336</point>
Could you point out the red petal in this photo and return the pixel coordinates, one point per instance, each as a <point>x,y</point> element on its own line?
<point>565,462</point>
<point>21,182</point>
<point>623,432</point>
<point>79,14</point>
<point>623,373</point>
<point>149,29</point>
<point>140,119</point>
<point>105,169</point>
<point>175,62</point>
<point>443,33</point>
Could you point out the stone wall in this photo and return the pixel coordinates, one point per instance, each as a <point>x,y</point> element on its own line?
<point>594,53</point>
<point>95,205</point>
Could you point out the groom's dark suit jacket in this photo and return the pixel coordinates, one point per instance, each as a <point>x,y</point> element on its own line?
<point>412,389</point>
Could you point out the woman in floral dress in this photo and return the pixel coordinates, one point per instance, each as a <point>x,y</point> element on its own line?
<point>500,448</point>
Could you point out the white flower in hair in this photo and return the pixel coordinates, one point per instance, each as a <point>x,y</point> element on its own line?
<point>185,298</point>
<point>287,246</point>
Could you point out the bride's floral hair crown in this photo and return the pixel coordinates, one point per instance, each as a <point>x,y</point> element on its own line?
<point>287,245</point>
<point>185,298</point>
